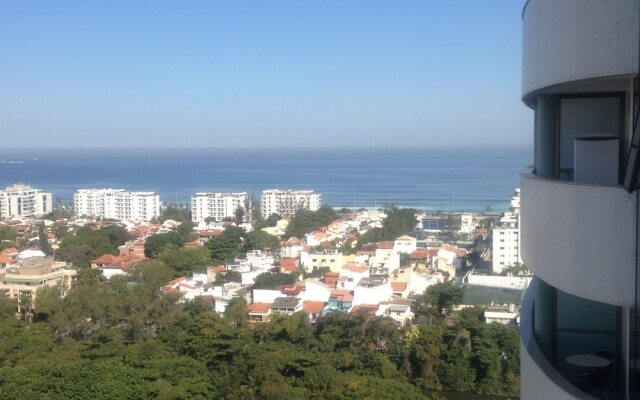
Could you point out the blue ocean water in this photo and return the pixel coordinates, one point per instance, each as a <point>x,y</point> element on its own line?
<point>429,178</point>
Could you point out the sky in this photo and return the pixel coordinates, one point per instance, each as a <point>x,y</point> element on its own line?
<point>261,73</point>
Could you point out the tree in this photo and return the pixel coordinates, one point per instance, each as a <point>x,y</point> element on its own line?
<point>7,233</point>
<point>236,313</point>
<point>227,246</point>
<point>305,221</point>
<point>185,261</point>
<point>272,220</point>
<point>440,299</point>
<point>43,241</point>
<point>155,244</point>
<point>238,215</point>
<point>260,240</point>
<point>228,276</point>
<point>271,280</point>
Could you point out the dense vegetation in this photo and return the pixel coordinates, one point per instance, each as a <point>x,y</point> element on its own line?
<point>399,221</point>
<point>85,244</point>
<point>124,340</point>
<point>306,221</point>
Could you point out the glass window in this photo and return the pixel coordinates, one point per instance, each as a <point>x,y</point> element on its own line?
<point>583,117</point>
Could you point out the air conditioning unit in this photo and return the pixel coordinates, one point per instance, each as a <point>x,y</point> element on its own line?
<point>596,160</point>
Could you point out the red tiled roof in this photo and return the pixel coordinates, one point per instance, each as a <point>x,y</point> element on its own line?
<point>259,308</point>
<point>364,253</point>
<point>385,245</point>
<point>358,268</point>
<point>399,286</point>
<point>423,254</point>
<point>313,306</point>
<point>216,269</point>
<point>176,280</point>
<point>343,295</point>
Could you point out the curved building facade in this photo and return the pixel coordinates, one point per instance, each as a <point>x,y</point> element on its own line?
<point>580,202</point>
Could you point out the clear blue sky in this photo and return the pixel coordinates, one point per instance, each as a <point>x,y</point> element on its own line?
<point>261,73</point>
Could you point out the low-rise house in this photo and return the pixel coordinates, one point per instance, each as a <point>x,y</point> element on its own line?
<point>372,291</point>
<point>316,291</point>
<point>313,309</point>
<point>339,301</point>
<point>400,289</point>
<point>8,257</point>
<point>292,248</point>
<point>288,265</point>
<point>259,312</point>
<point>405,244</point>
<point>259,260</point>
<point>401,313</point>
<point>506,315</point>
<point>331,259</point>
<point>286,305</point>
<point>351,274</point>
<point>111,265</point>
<point>213,271</point>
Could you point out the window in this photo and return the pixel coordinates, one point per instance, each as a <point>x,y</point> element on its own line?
<point>583,117</point>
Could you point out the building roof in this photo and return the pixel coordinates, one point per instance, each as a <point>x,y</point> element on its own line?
<point>385,245</point>
<point>288,264</point>
<point>341,295</point>
<point>399,286</point>
<point>216,269</point>
<point>313,306</point>
<point>423,254</point>
<point>406,238</point>
<point>358,268</point>
<point>285,302</point>
<point>259,308</point>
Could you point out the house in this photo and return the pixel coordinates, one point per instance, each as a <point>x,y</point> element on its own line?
<point>259,312</point>
<point>400,289</point>
<point>213,271</point>
<point>351,274</point>
<point>291,248</point>
<point>313,309</point>
<point>401,313</point>
<point>8,256</point>
<point>372,291</point>
<point>505,315</point>
<point>339,301</point>
<point>288,265</point>
<point>405,244</point>
<point>111,265</point>
<point>286,305</point>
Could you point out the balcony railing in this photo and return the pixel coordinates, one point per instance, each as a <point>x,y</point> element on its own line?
<point>580,238</point>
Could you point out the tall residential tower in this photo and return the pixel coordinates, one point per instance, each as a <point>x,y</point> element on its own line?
<point>579,221</point>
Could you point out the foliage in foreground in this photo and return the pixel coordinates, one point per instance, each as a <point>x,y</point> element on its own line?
<point>125,341</point>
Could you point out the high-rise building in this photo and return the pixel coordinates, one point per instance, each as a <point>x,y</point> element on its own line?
<point>216,205</point>
<point>116,204</point>
<point>580,336</point>
<point>19,201</point>
<point>286,202</point>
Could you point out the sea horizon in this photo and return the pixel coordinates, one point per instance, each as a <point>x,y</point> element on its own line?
<point>429,178</point>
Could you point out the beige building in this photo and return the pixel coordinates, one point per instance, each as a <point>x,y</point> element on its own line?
<point>29,275</point>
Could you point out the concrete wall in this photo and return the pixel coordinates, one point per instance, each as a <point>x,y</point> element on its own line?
<point>580,238</point>
<point>570,40</point>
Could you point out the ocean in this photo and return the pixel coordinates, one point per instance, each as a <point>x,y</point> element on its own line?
<point>427,178</point>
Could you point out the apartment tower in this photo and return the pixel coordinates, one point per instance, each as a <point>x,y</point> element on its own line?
<point>579,217</point>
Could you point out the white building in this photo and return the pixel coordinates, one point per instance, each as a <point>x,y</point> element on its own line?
<point>117,204</point>
<point>216,205</point>
<point>506,242</point>
<point>19,201</point>
<point>286,202</point>
<point>579,218</point>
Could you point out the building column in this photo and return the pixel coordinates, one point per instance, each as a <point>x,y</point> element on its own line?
<point>545,136</point>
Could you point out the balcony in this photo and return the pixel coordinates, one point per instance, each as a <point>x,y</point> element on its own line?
<point>540,378</point>
<point>580,238</point>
